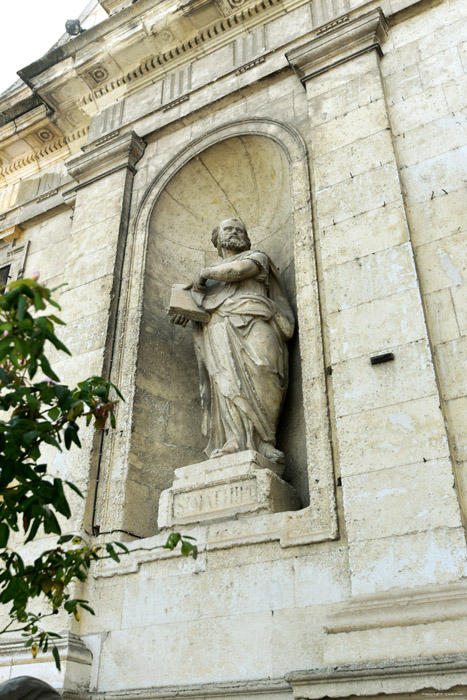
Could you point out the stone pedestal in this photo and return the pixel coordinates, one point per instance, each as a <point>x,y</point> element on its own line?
<point>224,487</point>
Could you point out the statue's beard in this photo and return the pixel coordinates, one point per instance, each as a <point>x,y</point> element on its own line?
<point>234,243</point>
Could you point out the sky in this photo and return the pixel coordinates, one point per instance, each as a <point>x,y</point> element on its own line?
<point>28,29</point>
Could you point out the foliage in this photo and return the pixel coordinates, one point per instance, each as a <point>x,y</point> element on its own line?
<point>39,410</point>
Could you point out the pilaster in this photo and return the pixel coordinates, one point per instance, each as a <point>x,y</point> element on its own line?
<point>401,511</point>
<point>104,173</point>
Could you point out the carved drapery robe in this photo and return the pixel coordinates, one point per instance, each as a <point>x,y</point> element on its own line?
<point>242,357</point>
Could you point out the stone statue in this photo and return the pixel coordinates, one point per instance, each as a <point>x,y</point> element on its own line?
<point>241,322</point>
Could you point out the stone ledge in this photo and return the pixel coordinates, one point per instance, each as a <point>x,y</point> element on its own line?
<point>402,608</point>
<point>438,673</point>
<point>426,675</point>
<point>269,687</point>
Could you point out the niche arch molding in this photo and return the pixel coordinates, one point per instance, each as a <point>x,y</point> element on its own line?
<point>318,521</point>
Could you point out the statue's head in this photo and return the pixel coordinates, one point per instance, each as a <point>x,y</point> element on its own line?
<point>232,235</point>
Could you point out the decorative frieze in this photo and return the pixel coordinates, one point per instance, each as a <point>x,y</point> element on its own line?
<point>176,84</point>
<point>173,104</point>
<point>107,121</point>
<point>247,49</point>
<point>252,64</point>
<point>324,11</point>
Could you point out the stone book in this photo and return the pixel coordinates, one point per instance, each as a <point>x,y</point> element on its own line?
<point>182,303</point>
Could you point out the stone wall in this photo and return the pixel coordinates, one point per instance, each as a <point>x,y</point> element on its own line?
<point>336,130</point>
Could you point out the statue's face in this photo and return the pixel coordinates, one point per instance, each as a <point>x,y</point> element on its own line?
<point>232,235</point>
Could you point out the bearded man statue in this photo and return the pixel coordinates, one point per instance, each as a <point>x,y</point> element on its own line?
<point>240,344</point>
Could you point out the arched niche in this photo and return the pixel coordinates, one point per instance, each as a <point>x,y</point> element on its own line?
<point>257,169</point>
<point>248,177</point>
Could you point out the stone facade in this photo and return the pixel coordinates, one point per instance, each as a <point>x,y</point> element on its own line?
<point>336,130</point>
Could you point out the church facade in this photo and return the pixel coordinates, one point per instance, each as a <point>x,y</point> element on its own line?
<point>336,130</point>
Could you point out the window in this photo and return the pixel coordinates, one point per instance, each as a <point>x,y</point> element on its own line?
<point>4,275</point>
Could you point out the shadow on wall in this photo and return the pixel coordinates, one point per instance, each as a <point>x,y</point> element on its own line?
<point>246,177</point>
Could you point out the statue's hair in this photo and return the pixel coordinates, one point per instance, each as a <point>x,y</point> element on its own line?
<point>215,234</point>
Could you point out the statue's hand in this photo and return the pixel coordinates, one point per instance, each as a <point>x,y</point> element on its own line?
<point>179,320</point>
<point>199,284</point>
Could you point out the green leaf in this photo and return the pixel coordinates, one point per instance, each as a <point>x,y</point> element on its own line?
<point>122,546</point>
<point>74,488</point>
<point>56,656</point>
<point>22,301</point>
<point>111,551</point>
<point>54,413</point>
<point>187,548</point>
<point>87,607</point>
<point>47,369</point>
<point>30,436</point>
<point>61,391</point>
<point>39,304</point>
<point>65,538</point>
<point>4,535</point>
<point>33,402</point>
<point>55,319</point>
<point>172,540</point>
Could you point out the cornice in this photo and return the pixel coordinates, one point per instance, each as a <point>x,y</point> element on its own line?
<point>31,143</point>
<point>159,64</point>
<point>269,687</point>
<point>338,41</point>
<point>426,675</point>
<point>415,606</point>
<point>87,75</point>
<point>108,154</point>
<point>436,673</point>
<point>37,159</point>
<point>70,646</point>
<point>18,107</point>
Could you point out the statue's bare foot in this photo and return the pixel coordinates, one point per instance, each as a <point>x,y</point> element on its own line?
<point>270,452</point>
<point>229,448</point>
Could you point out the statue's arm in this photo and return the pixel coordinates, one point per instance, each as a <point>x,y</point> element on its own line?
<point>230,271</point>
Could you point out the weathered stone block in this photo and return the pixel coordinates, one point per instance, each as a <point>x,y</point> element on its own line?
<point>421,494</point>
<point>418,110</point>
<point>441,317</point>
<point>400,434</point>
<point>354,159</point>
<point>438,556</point>
<point>443,263</point>
<point>343,130</point>
<point>375,326</point>
<point>374,230</point>
<point>370,277</point>
<point>359,386</point>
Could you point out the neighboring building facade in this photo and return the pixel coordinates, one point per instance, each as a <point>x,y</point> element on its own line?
<point>337,130</point>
